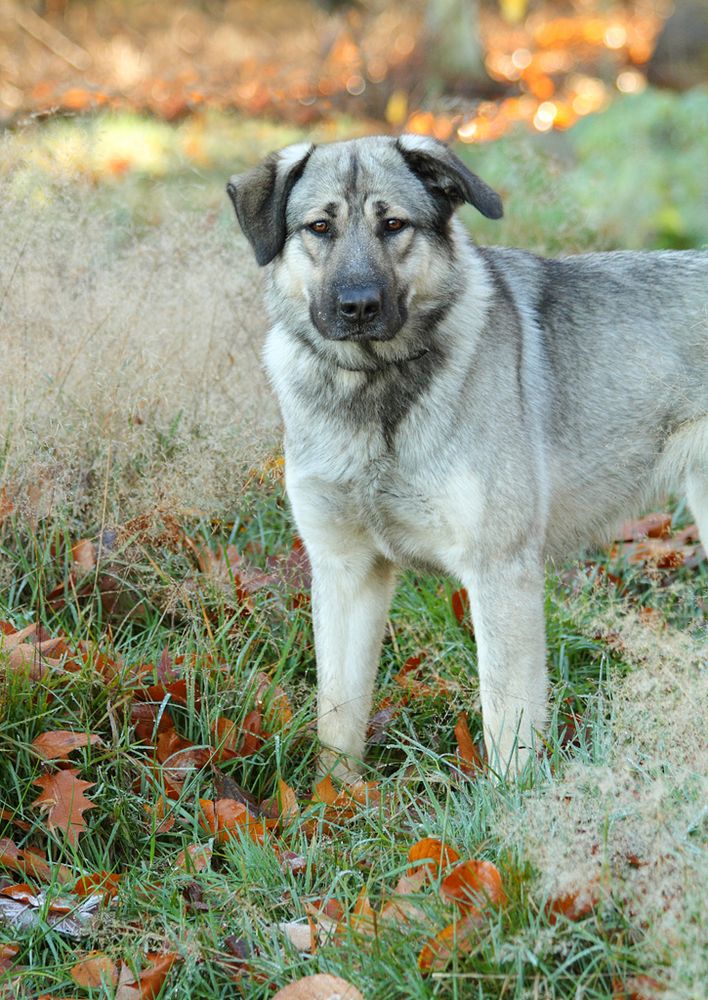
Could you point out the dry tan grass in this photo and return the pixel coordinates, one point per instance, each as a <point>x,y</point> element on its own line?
<point>630,828</point>
<point>129,363</point>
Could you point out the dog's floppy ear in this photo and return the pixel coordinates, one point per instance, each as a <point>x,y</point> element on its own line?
<point>445,175</point>
<point>261,195</point>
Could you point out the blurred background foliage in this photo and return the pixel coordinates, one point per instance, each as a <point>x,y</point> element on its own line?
<point>590,116</point>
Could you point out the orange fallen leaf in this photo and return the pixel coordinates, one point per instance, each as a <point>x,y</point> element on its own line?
<point>363,917</point>
<point>287,801</point>
<point>94,971</point>
<point>162,813</point>
<point>433,853</point>
<point>639,987</point>
<point>31,863</point>
<point>663,554</point>
<point>472,884</point>
<point>175,691</point>
<point>225,817</point>
<point>228,736</point>
<point>57,744</point>
<point>410,678</point>
<point>194,858</point>
<point>6,505</point>
<point>8,954</point>
<point>106,882</point>
<point>149,982</point>
<point>461,606</point>
<point>64,802</point>
<point>459,937</point>
<point>12,817</point>
<point>280,708</point>
<point>573,905</point>
<point>470,761</point>
<point>650,526</point>
<point>83,554</point>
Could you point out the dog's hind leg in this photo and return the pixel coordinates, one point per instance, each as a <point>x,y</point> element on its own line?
<point>507,602</point>
<point>350,602</point>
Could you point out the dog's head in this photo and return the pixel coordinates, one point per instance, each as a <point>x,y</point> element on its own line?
<point>353,228</point>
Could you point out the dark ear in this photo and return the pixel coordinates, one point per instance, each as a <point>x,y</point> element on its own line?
<point>261,195</point>
<point>446,176</point>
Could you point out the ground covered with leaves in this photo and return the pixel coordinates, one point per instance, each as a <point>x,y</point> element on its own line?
<point>162,826</point>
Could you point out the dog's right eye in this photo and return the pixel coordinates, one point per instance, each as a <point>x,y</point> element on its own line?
<point>320,227</point>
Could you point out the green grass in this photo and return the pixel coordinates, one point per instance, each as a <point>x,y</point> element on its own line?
<point>244,893</point>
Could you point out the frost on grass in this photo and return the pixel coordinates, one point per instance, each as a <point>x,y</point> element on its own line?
<point>628,829</point>
<point>130,373</point>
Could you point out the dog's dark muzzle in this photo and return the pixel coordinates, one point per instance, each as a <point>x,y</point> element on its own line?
<point>359,312</point>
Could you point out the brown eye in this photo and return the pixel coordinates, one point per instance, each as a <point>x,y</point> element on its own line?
<point>320,227</point>
<point>394,225</point>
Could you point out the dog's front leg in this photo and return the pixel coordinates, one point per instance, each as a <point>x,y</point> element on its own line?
<point>350,602</point>
<point>507,602</point>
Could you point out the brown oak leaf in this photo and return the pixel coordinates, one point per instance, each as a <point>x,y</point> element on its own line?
<point>64,802</point>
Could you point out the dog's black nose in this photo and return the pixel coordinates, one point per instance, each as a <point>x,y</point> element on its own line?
<point>359,303</point>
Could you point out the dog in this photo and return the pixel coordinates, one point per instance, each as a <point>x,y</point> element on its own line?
<point>474,410</point>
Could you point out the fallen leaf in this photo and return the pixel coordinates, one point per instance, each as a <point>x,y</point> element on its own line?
<point>402,906</point>
<point>24,908</point>
<point>293,572</point>
<point>301,936</point>
<point>83,554</point>
<point>290,861</point>
<point>144,717</point>
<point>13,818</point>
<point>377,731</point>
<point>57,744</point>
<point>433,854</point>
<point>94,971</point>
<point>573,905</point>
<point>287,802</point>
<point>107,883</point>
<point>64,802</point>
<point>657,552</point>
<point>637,988</point>
<point>470,761</point>
<point>363,917</point>
<point>31,863</point>
<point>459,937</point>
<point>162,813</point>
<point>226,788</point>
<point>327,917</point>
<point>321,986</point>
<point>411,678</point>
<point>238,957</point>
<point>649,526</point>
<point>6,505</point>
<point>194,858</point>
<point>150,980</point>
<point>461,607</point>
<point>279,707</point>
<point>225,817</point>
<point>8,954</point>
<point>472,884</point>
<point>228,736</point>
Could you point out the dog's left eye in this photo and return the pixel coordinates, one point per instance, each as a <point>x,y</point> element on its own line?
<point>320,227</point>
<point>394,225</point>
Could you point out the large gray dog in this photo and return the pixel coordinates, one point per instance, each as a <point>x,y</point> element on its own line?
<point>470,409</point>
